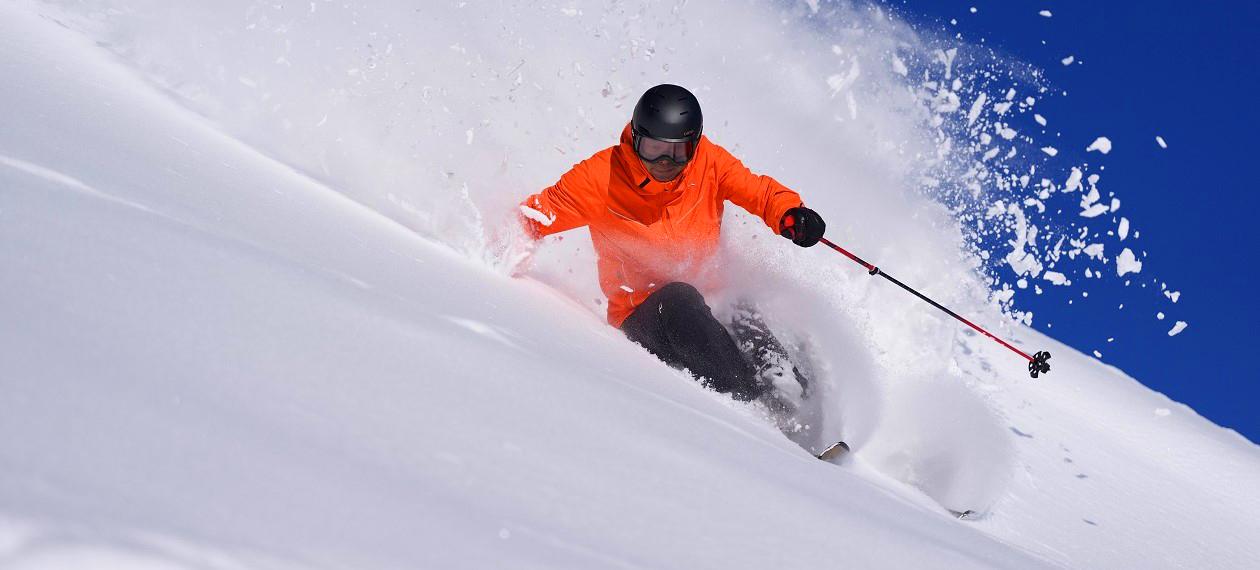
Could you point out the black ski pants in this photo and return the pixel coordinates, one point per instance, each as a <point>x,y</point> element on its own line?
<point>676,325</point>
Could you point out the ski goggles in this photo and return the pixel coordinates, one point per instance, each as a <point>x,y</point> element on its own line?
<point>652,150</point>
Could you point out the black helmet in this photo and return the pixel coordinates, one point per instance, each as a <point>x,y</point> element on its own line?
<point>669,114</point>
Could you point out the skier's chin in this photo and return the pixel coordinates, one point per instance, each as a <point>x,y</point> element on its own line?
<point>664,173</point>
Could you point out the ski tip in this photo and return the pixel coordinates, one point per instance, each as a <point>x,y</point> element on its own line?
<point>837,449</point>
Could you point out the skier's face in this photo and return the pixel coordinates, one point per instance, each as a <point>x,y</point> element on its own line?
<point>663,169</point>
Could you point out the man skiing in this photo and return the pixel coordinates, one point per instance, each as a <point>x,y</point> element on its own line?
<point>654,204</point>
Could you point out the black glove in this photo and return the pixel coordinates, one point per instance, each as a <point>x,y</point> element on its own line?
<point>803,226</point>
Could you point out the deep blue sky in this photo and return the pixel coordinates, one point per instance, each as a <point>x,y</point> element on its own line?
<point>1185,71</point>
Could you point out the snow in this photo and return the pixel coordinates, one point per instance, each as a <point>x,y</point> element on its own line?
<point>1100,144</point>
<point>1068,60</point>
<point>537,216</point>
<point>1073,182</point>
<point>1127,263</point>
<point>1089,198</point>
<point>1160,141</point>
<point>238,351</point>
<point>1094,211</point>
<point>1040,119</point>
<point>1050,150</point>
<point>976,107</point>
<point>1056,278</point>
<point>1123,229</point>
<point>899,66</point>
<point>1045,13</point>
<point>1177,328</point>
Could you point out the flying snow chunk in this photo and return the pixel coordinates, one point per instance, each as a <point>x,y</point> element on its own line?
<point>1177,328</point>
<point>1094,211</point>
<point>537,216</point>
<point>1040,120</point>
<point>1056,278</point>
<point>839,83</point>
<point>1123,230</point>
<point>976,107</point>
<point>1050,150</point>
<point>899,66</point>
<point>1100,144</point>
<point>1068,60</point>
<point>1160,141</point>
<point>1022,263</point>
<point>1045,13</point>
<point>1127,263</point>
<point>1074,180</point>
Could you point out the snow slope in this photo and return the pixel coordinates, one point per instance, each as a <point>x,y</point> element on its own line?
<point>209,359</point>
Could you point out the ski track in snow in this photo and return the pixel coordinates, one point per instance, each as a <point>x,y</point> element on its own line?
<point>67,181</point>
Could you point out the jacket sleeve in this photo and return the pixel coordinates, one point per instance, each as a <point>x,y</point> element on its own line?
<point>564,205</point>
<point>761,195</point>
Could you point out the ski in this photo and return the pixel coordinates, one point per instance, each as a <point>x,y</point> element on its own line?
<point>962,515</point>
<point>837,449</point>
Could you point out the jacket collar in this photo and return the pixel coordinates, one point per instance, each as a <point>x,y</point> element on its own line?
<point>633,194</point>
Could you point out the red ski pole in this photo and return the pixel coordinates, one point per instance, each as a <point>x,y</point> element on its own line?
<point>1037,363</point>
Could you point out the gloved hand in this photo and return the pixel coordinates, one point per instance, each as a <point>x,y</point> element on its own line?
<point>803,226</point>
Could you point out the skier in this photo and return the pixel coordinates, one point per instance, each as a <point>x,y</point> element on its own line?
<point>654,207</point>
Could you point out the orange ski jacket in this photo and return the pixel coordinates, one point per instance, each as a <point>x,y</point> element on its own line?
<point>647,233</point>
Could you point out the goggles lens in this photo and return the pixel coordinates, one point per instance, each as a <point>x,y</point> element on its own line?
<point>652,150</point>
